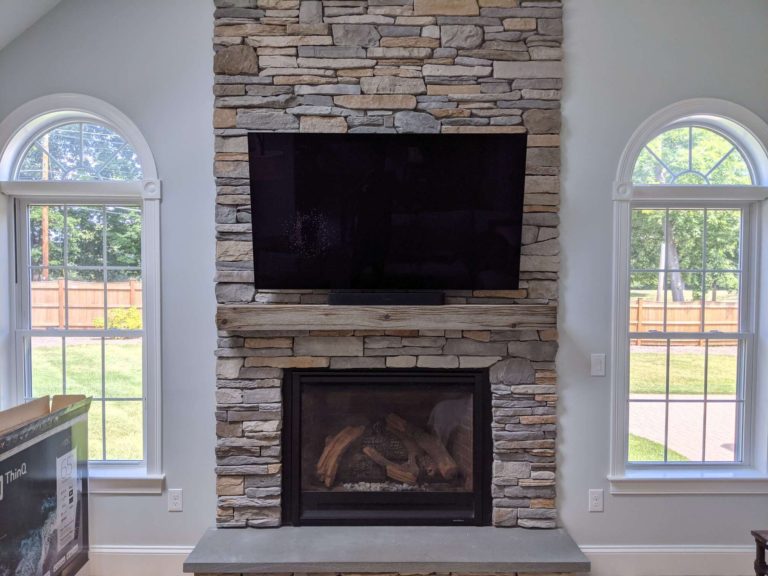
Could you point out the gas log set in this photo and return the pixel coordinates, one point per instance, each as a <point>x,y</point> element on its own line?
<point>390,448</point>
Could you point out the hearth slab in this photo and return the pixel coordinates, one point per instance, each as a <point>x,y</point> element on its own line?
<point>376,549</point>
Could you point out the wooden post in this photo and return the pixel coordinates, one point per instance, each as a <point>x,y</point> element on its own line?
<point>639,318</point>
<point>45,240</point>
<point>132,292</point>
<point>61,303</point>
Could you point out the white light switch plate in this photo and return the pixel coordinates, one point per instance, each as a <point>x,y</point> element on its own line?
<point>597,365</point>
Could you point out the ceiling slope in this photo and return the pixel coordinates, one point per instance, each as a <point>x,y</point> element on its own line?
<point>18,15</point>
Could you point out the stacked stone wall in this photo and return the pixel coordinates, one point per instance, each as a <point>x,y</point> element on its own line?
<point>356,66</point>
<point>249,416</point>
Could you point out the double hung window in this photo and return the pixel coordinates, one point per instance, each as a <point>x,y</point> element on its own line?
<point>86,279</point>
<point>687,219</point>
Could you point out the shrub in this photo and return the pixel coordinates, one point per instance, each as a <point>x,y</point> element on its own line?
<point>121,319</point>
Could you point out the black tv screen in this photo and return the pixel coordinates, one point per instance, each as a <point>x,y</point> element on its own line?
<point>387,211</point>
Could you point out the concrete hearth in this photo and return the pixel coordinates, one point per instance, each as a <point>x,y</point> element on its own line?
<point>402,550</point>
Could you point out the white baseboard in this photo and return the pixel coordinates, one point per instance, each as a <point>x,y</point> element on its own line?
<point>671,560</point>
<point>133,560</point>
<point>606,560</point>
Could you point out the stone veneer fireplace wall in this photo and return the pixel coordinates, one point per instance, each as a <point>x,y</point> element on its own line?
<point>447,66</point>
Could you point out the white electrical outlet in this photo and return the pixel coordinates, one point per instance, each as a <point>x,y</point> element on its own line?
<point>596,500</point>
<point>597,364</point>
<point>175,500</point>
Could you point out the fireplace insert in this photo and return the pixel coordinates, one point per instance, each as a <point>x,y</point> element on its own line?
<point>410,447</point>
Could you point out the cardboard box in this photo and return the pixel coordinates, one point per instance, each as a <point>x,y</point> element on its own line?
<point>44,487</point>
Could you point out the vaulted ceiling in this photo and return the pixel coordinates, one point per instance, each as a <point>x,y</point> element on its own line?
<point>18,15</point>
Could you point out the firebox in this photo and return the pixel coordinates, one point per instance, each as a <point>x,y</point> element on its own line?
<point>410,447</point>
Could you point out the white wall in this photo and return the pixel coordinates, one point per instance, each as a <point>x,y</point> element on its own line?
<point>152,60</point>
<point>625,59</point>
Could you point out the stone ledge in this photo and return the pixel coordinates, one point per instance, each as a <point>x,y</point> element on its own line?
<point>386,549</point>
<point>255,317</point>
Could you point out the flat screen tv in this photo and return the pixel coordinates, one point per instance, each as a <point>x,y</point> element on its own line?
<point>387,212</point>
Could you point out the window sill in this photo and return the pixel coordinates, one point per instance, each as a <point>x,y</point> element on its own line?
<point>660,482</point>
<point>121,481</point>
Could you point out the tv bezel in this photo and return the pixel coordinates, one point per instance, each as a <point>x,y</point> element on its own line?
<point>387,294</point>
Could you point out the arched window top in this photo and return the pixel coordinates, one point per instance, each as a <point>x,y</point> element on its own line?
<point>70,138</point>
<point>698,146</point>
<point>692,155</point>
<point>80,150</point>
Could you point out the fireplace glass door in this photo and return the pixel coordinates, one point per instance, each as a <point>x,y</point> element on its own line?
<point>386,447</point>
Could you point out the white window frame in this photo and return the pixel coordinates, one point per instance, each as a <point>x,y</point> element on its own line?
<point>749,133</point>
<point>16,132</point>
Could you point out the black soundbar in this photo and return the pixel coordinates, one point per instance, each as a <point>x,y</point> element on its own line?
<point>386,298</point>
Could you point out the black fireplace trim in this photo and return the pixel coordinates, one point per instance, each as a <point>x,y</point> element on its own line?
<point>480,500</point>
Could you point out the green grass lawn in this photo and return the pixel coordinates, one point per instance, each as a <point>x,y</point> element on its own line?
<point>686,373</point>
<point>123,379</point>
<point>644,450</point>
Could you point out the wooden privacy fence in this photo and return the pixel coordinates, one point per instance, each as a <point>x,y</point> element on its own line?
<point>647,315</point>
<point>85,300</point>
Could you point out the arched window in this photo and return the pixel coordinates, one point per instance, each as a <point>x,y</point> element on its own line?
<point>86,194</point>
<point>692,155</point>
<point>79,151</point>
<point>685,292</point>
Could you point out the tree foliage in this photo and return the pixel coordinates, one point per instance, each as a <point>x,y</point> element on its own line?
<point>691,156</point>
<point>706,244</point>
<point>81,232</point>
<point>80,152</point>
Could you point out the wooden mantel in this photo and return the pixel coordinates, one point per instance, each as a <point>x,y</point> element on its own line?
<point>250,317</point>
